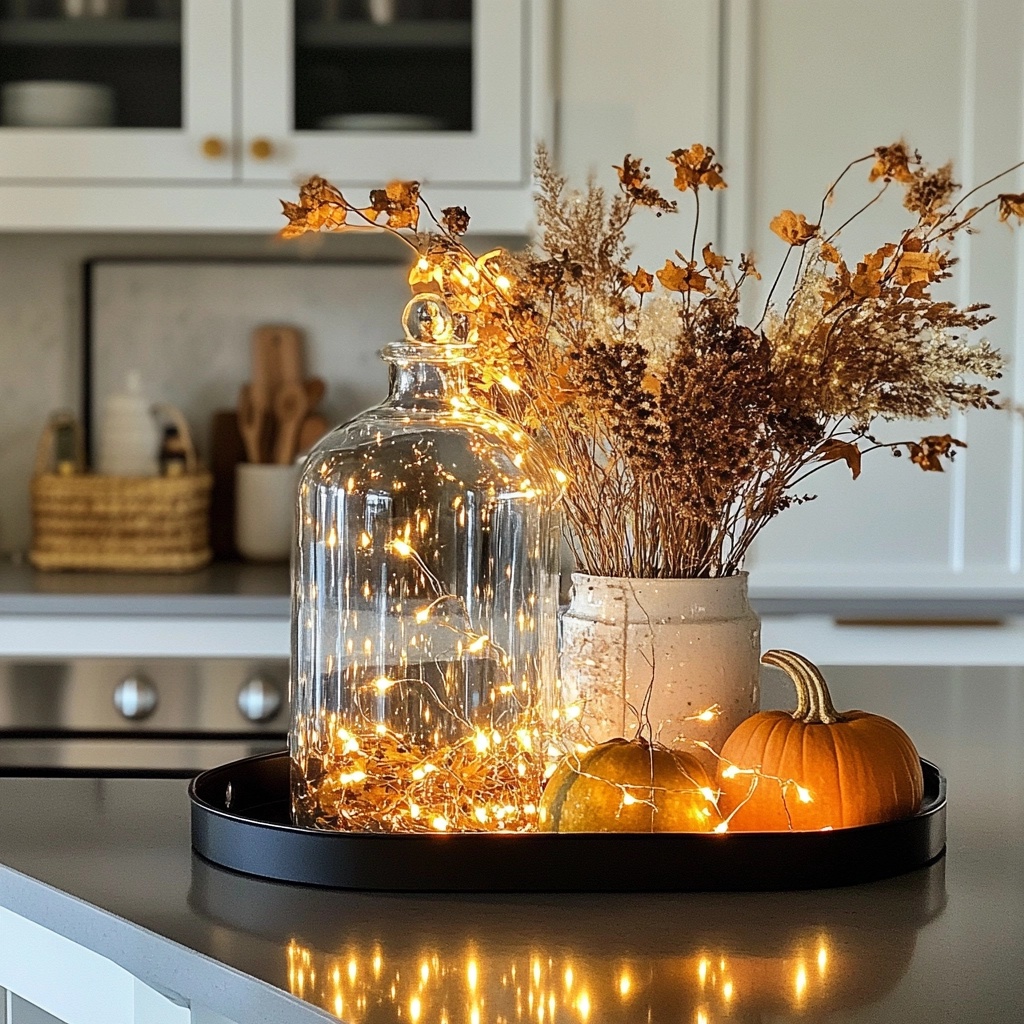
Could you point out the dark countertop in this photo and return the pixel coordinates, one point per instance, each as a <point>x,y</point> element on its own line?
<point>108,864</point>
<point>246,589</point>
<point>221,589</point>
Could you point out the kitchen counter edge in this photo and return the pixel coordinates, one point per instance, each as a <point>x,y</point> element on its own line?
<point>182,975</point>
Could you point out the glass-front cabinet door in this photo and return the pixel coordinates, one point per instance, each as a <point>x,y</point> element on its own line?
<point>116,89</point>
<point>364,91</point>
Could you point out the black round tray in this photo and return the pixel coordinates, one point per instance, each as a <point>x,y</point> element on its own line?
<point>254,835</point>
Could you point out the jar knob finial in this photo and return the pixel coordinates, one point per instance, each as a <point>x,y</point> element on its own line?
<point>428,320</point>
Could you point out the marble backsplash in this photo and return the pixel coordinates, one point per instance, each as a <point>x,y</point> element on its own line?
<point>184,325</point>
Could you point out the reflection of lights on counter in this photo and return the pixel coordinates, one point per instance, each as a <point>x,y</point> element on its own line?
<point>583,1005</point>
<point>800,982</point>
<point>421,986</point>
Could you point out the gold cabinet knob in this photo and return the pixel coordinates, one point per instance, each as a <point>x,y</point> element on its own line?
<point>261,149</point>
<point>213,147</point>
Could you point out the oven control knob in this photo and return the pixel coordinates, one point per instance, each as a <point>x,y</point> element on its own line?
<point>135,697</point>
<point>259,700</point>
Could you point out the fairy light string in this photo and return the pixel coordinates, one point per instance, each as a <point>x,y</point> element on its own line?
<point>365,769</point>
<point>373,777</point>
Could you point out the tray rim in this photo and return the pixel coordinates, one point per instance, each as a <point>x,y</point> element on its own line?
<point>924,811</point>
<point>580,862</point>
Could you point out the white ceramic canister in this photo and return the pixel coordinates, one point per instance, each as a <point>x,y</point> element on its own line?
<point>265,500</point>
<point>658,654</point>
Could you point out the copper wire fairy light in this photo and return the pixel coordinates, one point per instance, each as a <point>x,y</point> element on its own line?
<point>426,591</point>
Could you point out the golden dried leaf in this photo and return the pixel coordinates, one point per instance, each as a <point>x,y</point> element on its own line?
<point>930,193</point>
<point>399,200</point>
<point>829,253</point>
<point>918,267</point>
<point>748,267</point>
<point>641,281</point>
<point>455,220</point>
<point>631,173</point>
<point>320,207</point>
<point>793,228</point>
<point>633,178</point>
<point>317,191</point>
<point>403,193</point>
<point>867,282</point>
<point>696,166</point>
<point>928,452</point>
<point>681,279</point>
<point>893,163</point>
<point>835,450</point>
<point>407,217</point>
<point>1011,206</point>
<point>651,384</point>
<point>712,260</point>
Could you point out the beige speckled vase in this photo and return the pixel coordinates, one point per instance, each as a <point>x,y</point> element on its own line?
<point>677,647</point>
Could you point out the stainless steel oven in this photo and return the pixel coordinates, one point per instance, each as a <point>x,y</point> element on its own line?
<point>145,716</point>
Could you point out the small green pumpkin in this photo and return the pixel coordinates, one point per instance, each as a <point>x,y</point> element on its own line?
<point>629,786</point>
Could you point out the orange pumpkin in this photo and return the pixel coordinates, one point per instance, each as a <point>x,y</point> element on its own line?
<point>628,786</point>
<point>816,768</point>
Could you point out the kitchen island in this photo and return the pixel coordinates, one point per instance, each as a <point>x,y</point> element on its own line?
<point>104,867</point>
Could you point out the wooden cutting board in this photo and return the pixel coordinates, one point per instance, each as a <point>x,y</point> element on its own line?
<point>226,451</point>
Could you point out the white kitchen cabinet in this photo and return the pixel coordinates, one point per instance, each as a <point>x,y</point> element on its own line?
<point>809,85</point>
<point>269,97</point>
<point>194,54</point>
<point>492,153</point>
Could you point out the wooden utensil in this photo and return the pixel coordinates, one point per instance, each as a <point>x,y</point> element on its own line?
<point>278,347</point>
<point>316,388</point>
<point>277,360</point>
<point>288,341</point>
<point>264,380</point>
<point>290,408</point>
<point>250,423</point>
<point>313,428</point>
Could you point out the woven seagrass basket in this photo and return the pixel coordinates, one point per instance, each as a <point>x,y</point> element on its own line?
<point>92,522</point>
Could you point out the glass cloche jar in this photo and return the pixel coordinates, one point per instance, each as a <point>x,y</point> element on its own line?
<point>424,606</point>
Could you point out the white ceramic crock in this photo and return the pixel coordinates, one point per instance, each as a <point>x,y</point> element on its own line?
<point>654,654</point>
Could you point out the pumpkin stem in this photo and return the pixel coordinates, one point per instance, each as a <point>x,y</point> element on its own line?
<point>813,701</point>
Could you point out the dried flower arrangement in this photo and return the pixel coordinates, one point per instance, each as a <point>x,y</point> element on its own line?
<point>684,430</point>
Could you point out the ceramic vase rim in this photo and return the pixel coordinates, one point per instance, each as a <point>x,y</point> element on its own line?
<point>633,580</point>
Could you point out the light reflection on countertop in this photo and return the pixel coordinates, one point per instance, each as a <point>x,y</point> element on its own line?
<point>422,959</point>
